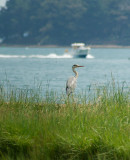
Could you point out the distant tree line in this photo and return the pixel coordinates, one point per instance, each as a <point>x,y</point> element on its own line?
<point>61,22</point>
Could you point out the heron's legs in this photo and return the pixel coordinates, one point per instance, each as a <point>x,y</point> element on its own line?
<point>71,99</point>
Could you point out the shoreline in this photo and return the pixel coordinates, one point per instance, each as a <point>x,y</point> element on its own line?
<point>58,46</point>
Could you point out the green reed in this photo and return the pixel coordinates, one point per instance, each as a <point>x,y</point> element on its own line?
<point>86,126</point>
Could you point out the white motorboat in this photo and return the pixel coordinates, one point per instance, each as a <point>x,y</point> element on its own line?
<point>79,50</point>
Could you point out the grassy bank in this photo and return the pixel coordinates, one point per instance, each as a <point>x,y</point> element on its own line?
<point>37,128</point>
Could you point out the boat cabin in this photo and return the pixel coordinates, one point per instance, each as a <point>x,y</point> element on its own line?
<point>77,45</point>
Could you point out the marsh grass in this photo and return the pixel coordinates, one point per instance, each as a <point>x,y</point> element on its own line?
<point>54,127</point>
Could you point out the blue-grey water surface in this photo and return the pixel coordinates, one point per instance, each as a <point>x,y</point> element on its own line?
<point>30,67</point>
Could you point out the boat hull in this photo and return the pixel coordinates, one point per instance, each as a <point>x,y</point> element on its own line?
<point>82,53</point>
<point>80,56</point>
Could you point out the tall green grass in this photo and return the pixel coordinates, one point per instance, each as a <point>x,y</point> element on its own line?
<point>50,127</point>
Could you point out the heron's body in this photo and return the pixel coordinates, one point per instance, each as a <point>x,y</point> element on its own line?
<point>72,81</point>
<point>70,85</point>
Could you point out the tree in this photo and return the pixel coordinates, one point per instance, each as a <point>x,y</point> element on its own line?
<point>63,22</point>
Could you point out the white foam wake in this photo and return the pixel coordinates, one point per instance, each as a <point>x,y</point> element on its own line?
<point>53,55</point>
<point>90,56</point>
<point>12,56</point>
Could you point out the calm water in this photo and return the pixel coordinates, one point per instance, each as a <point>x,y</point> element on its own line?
<point>31,67</point>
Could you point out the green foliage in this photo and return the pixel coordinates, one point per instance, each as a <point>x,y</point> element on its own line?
<point>63,22</point>
<point>35,127</point>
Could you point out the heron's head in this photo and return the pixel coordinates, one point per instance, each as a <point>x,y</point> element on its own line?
<point>76,66</point>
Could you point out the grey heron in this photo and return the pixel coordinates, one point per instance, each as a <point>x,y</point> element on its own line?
<point>71,82</point>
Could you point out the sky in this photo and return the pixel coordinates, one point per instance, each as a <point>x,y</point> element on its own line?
<point>2,3</point>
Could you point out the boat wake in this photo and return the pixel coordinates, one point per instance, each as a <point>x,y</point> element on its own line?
<point>89,56</point>
<point>52,55</point>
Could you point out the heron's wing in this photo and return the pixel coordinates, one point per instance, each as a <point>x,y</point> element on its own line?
<point>70,85</point>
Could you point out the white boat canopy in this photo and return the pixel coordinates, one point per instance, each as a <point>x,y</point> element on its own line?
<point>77,44</point>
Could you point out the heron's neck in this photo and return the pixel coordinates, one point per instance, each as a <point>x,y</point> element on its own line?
<point>76,73</point>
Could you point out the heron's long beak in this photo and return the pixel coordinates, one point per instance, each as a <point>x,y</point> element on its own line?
<point>80,66</point>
